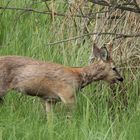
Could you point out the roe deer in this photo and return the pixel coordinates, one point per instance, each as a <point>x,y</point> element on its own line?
<point>51,81</point>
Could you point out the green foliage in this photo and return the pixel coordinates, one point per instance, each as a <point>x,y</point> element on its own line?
<point>99,114</point>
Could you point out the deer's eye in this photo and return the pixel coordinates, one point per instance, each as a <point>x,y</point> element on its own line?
<point>114,69</point>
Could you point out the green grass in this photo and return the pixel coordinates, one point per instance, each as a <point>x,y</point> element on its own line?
<point>99,115</point>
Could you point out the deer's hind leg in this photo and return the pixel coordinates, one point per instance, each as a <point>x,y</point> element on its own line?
<point>2,93</point>
<point>3,89</point>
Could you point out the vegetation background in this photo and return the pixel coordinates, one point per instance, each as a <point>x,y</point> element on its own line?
<point>63,32</point>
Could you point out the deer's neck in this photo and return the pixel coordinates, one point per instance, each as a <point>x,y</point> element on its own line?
<point>94,72</point>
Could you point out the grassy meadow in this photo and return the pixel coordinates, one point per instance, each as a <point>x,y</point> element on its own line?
<point>100,113</point>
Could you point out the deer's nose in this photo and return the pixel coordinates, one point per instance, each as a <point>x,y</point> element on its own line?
<point>120,79</point>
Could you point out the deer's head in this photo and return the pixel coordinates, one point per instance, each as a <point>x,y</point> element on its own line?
<point>104,59</point>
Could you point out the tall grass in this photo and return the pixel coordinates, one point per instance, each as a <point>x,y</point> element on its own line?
<point>99,113</point>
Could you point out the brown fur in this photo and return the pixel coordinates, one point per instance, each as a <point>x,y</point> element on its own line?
<point>50,81</point>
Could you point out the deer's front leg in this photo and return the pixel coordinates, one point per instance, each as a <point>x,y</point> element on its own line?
<point>68,101</point>
<point>49,110</point>
<point>49,103</point>
<point>48,106</point>
<point>67,96</point>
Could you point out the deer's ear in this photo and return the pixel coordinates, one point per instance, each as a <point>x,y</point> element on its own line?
<point>99,53</point>
<point>104,55</point>
<point>96,51</point>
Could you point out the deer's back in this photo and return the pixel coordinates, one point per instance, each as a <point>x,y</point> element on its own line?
<point>33,75</point>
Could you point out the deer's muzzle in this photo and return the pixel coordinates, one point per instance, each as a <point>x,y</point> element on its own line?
<point>120,79</point>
